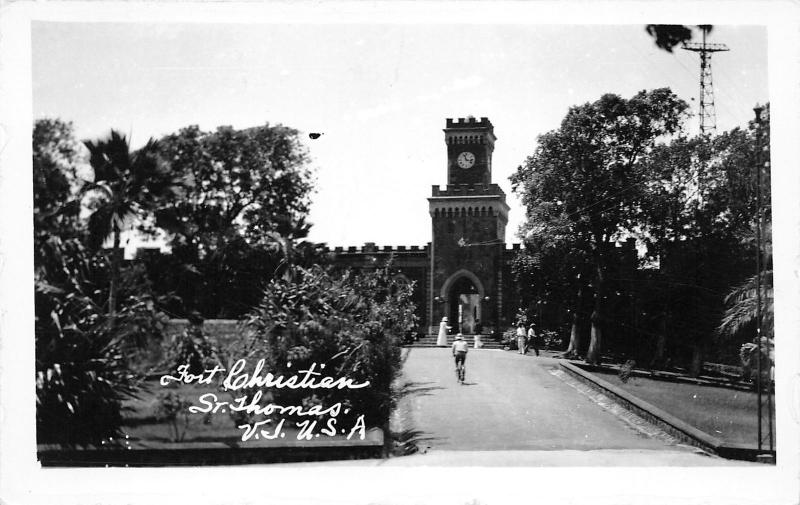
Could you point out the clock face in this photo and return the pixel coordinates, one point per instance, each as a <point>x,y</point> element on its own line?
<point>465,159</point>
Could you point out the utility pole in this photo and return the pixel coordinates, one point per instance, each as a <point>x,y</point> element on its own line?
<point>708,116</point>
<point>763,343</point>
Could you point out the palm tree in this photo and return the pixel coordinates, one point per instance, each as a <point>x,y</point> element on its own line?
<point>126,185</point>
<point>742,301</point>
<point>742,309</point>
<point>741,306</point>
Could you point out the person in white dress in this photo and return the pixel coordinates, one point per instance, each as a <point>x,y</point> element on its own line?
<point>443,329</point>
<point>521,343</point>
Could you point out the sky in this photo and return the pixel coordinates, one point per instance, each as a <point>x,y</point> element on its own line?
<point>380,93</point>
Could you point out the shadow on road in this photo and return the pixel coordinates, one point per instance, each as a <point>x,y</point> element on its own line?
<point>410,442</point>
<point>416,388</point>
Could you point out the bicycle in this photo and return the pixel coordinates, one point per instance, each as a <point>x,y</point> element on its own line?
<point>461,372</point>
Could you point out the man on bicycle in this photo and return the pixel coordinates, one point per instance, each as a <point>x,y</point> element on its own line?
<point>460,348</point>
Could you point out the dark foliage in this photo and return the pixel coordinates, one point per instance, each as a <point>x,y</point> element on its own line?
<point>582,185</point>
<point>668,36</point>
<point>82,372</point>
<point>352,323</point>
<point>82,369</point>
<point>56,157</point>
<point>249,195</point>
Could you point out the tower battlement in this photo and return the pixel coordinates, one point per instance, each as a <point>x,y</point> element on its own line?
<point>372,248</point>
<point>469,122</point>
<point>467,190</point>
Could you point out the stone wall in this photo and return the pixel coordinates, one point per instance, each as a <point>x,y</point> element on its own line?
<point>223,332</point>
<point>220,329</point>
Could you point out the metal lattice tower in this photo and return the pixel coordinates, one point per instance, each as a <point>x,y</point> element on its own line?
<point>708,116</point>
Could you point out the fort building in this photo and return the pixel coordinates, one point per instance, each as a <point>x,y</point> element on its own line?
<point>463,273</point>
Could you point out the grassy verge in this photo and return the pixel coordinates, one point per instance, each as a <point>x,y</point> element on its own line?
<point>144,422</point>
<point>727,414</point>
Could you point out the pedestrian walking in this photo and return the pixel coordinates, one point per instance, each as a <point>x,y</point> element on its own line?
<point>521,344</point>
<point>532,339</point>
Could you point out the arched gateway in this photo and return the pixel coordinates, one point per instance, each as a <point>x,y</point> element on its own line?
<point>463,294</point>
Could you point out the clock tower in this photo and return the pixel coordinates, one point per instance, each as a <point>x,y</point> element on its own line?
<point>470,143</point>
<point>469,220</point>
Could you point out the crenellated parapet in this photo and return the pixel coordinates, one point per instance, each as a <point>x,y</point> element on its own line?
<point>468,122</point>
<point>628,246</point>
<point>372,248</point>
<point>470,131</point>
<point>625,250</point>
<point>459,190</point>
<point>511,251</point>
<point>459,200</point>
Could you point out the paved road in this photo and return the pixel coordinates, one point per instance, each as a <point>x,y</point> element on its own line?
<point>509,402</point>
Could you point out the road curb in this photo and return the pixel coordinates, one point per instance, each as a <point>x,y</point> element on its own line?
<point>216,453</point>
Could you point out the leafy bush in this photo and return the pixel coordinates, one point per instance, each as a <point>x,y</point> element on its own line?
<point>625,370</point>
<point>170,406</point>
<point>352,323</point>
<point>510,339</point>
<point>82,372</point>
<point>748,354</point>
<point>192,347</point>
<point>551,340</point>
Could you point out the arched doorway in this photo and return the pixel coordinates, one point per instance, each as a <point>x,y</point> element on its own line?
<point>463,293</point>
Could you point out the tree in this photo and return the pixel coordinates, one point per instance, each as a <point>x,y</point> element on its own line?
<point>126,186</point>
<point>548,278</point>
<point>251,192</point>
<point>677,233</point>
<point>700,205</point>
<point>82,372</point>
<point>56,161</point>
<point>248,182</point>
<point>742,310</point>
<point>583,182</point>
